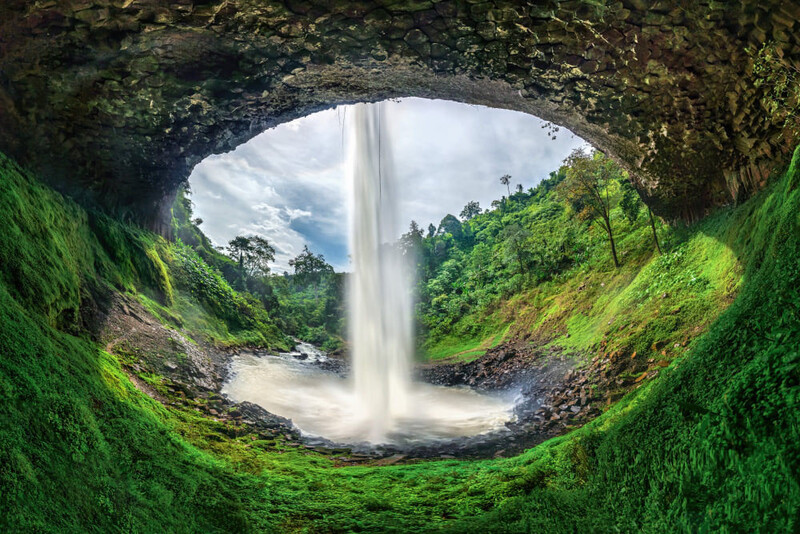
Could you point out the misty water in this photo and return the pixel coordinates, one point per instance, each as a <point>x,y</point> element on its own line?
<point>379,403</point>
<point>322,404</point>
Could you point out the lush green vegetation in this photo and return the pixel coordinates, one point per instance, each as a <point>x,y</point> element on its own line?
<point>710,445</point>
<point>539,266</point>
<point>307,304</point>
<point>313,310</point>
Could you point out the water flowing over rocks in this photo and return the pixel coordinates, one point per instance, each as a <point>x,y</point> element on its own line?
<point>118,100</point>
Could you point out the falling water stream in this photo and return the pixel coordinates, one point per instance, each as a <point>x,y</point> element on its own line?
<point>379,403</point>
<point>380,291</point>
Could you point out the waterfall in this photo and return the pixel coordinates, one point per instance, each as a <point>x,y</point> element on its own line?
<point>377,404</point>
<point>380,290</point>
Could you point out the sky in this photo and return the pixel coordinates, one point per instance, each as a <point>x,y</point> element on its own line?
<point>288,184</point>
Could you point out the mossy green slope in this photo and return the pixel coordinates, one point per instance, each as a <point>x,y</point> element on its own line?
<point>710,445</point>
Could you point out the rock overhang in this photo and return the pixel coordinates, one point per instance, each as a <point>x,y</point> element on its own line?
<point>117,100</point>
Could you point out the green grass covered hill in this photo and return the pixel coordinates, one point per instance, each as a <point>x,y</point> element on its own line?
<point>709,445</point>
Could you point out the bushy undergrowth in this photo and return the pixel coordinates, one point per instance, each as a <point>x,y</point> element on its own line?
<point>711,445</point>
<point>241,313</point>
<point>313,312</point>
<point>308,308</point>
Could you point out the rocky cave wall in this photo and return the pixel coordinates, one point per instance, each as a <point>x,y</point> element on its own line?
<point>117,100</point>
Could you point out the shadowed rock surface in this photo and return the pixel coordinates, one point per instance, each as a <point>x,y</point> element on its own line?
<point>117,100</point>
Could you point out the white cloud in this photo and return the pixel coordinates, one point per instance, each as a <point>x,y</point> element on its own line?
<point>296,213</point>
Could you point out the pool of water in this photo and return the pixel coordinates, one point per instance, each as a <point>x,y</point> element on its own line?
<point>322,404</point>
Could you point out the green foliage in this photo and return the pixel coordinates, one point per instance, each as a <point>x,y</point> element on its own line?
<point>241,312</point>
<point>81,449</point>
<point>629,203</point>
<point>241,301</point>
<point>452,226</point>
<point>252,254</point>
<point>590,190</point>
<point>711,445</point>
<point>530,260</point>
<point>54,253</point>
<point>185,227</point>
<point>466,272</point>
<point>310,268</point>
<point>472,209</point>
<point>313,313</point>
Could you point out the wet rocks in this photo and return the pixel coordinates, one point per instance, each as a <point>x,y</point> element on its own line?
<point>556,391</point>
<point>502,367</point>
<point>335,365</point>
<point>256,416</point>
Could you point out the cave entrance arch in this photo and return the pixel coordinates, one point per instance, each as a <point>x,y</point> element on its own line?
<point>119,100</point>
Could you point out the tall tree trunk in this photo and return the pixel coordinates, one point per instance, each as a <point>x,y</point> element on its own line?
<point>611,239</point>
<point>242,280</point>
<point>653,226</point>
<point>519,260</point>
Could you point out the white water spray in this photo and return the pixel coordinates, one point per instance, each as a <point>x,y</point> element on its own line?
<point>380,292</point>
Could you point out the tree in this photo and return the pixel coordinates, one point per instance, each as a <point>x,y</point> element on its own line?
<point>587,187</point>
<point>238,249</point>
<point>472,209</point>
<point>431,230</point>
<point>631,204</point>
<point>415,231</point>
<point>653,227</point>
<point>514,243</point>
<point>480,263</point>
<point>253,255</point>
<point>411,242</point>
<point>310,268</point>
<point>262,252</point>
<point>506,180</point>
<point>452,226</point>
<point>519,188</point>
<point>552,181</point>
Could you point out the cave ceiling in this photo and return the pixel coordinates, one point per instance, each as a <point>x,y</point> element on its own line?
<point>117,100</point>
